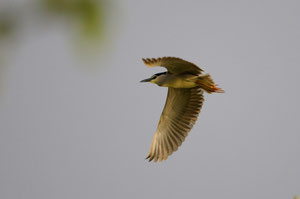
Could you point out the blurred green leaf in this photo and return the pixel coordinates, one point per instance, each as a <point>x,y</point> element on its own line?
<point>7,24</point>
<point>89,14</point>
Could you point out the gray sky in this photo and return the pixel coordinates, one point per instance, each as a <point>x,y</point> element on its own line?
<point>66,132</point>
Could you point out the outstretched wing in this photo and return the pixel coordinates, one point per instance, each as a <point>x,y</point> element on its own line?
<point>177,119</point>
<point>174,65</point>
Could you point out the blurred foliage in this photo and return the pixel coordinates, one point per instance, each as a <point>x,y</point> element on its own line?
<point>89,14</point>
<point>87,19</point>
<point>7,24</point>
<point>86,22</point>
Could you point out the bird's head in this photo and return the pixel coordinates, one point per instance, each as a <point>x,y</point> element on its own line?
<point>156,78</point>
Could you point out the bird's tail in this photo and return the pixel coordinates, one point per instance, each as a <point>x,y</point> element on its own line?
<point>206,82</point>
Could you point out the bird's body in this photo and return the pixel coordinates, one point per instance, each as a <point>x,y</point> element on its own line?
<point>184,101</point>
<point>176,81</point>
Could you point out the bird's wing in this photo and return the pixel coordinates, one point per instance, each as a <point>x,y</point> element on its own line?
<point>174,65</point>
<point>177,119</point>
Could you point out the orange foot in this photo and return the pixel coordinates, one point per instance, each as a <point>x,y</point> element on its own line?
<point>215,89</point>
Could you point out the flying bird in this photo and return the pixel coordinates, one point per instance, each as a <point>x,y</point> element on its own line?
<point>186,84</point>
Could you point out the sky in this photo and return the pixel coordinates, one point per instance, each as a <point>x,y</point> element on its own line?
<point>74,128</point>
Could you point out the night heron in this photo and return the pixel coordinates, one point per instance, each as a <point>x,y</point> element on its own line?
<point>185,83</point>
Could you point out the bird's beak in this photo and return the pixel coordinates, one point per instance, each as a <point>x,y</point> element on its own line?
<point>146,80</point>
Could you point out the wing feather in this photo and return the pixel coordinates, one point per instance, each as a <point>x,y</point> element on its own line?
<point>178,117</point>
<point>174,65</point>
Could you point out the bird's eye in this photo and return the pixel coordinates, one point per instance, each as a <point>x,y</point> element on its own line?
<point>154,76</point>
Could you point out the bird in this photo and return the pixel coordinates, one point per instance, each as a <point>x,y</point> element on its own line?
<point>186,84</point>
